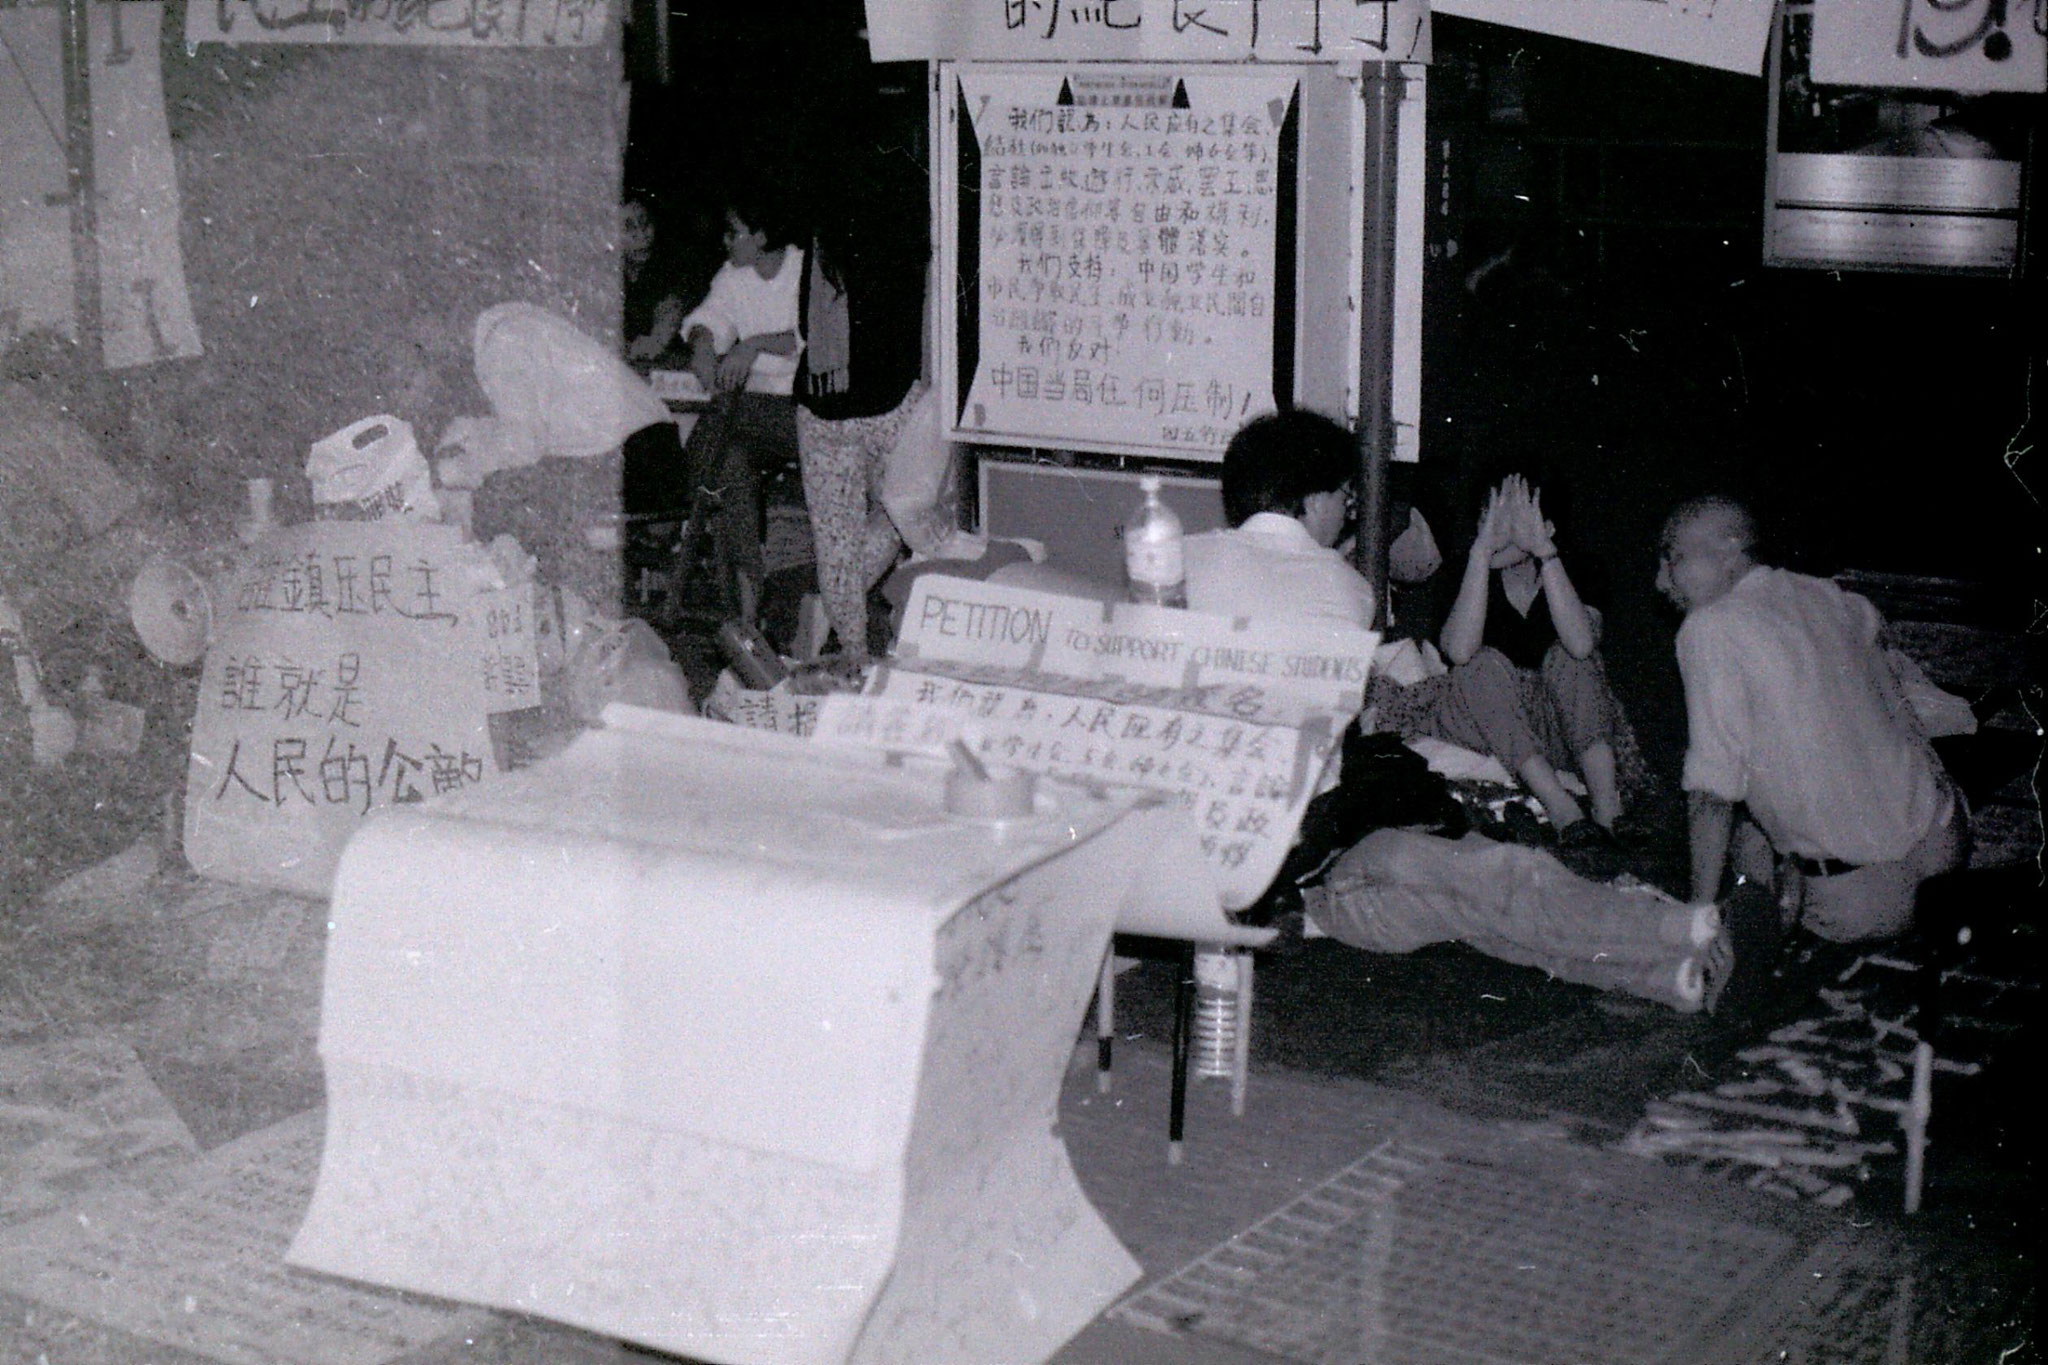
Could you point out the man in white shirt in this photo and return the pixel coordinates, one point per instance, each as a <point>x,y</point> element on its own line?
<point>1287,479</point>
<point>1794,713</point>
<point>743,347</point>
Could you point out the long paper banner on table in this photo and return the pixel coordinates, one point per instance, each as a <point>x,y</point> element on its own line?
<point>1239,721</point>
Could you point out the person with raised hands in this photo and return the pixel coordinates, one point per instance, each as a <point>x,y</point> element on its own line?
<point>1526,683</point>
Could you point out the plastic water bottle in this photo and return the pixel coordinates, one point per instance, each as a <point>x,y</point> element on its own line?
<point>1214,1045</point>
<point>1152,550</point>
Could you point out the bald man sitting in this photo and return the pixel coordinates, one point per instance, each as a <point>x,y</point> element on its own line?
<point>1793,712</point>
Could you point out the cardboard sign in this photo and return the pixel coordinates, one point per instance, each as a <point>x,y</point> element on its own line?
<point>1242,784</point>
<point>354,669</point>
<point>1258,671</point>
<point>777,708</point>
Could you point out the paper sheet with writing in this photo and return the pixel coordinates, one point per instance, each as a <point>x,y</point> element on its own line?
<point>1236,720</point>
<point>1937,44</point>
<point>1149,30</point>
<point>1126,293</point>
<point>442,23</point>
<point>355,667</point>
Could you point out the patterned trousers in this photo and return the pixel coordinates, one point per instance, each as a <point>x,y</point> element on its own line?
<point>1488,705</point>
<point>856,542</point>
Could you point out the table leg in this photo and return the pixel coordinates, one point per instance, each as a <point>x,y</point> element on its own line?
<point>1105,1019</point>
<point>1183,1034</point>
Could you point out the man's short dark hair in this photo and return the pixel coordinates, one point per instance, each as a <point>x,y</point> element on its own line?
<point>1276,461</point>
<point>1732,513</point>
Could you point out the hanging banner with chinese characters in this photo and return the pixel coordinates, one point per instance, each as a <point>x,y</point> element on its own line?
<point>1128,287</point>
<point>354,667</point>
<point>1149,30</point>
<point>409,23</point>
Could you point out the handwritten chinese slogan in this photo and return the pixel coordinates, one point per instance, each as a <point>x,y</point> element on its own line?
<point>1238,721</point>
<point>413,23</point>
<point>356,668</point>
<point>1124,292</point>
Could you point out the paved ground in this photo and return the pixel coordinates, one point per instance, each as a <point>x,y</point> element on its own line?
<point>205,997</point>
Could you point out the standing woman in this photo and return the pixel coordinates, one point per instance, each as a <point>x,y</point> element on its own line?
<point>862,320</point>
<point>1526,683</point>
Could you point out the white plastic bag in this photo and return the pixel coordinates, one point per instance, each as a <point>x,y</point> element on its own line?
<point>374,468</point>
<point>921,479</point>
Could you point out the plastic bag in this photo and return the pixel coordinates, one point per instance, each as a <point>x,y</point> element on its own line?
<point>921,479</point>
<point>373,468</point>
<point>553,391</point>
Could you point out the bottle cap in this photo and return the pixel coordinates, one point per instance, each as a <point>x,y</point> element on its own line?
<point>1148,483</point>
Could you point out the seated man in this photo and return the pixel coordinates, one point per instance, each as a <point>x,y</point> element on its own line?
<point>1793,712</point>
<point>1287,495</point>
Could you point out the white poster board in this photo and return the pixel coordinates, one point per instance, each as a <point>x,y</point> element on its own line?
<point>1976,45</point>
<point>355,667</point>
<point>1121,229</point>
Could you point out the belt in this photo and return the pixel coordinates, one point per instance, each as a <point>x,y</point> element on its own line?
<point>1822,867</point>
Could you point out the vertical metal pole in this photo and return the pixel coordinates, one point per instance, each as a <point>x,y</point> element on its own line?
<point>663,74</point>
<point>75,37</point>
<point>1382,93</point>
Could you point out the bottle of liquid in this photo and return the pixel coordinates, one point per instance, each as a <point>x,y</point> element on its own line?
<point>1153,557</point>
<point>1216,1020</point>
<point>754,661</point>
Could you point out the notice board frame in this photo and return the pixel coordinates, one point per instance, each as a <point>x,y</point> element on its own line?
<point>1909,208</point>
<point>1323,263</point>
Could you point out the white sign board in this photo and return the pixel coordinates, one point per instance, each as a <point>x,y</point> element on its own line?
<point>1973,45</point>
<point>1887,179</point>
<point>1125,287</point>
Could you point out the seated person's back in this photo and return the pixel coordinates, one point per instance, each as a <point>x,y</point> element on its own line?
<point>1286,493</point>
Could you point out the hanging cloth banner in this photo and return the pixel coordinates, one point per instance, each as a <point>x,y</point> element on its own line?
<point>145,313</point>
<point>403,23</point>
<point>35,217</point>
<point>1729,34</point>
<point>1150,30</point>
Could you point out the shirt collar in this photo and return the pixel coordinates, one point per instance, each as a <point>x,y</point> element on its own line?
<point>1279,526</point>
